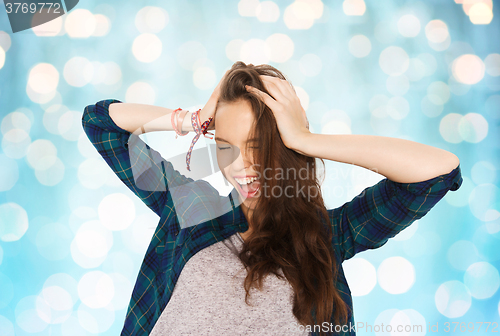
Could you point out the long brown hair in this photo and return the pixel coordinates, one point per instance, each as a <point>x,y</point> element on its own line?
<point>288,233</point>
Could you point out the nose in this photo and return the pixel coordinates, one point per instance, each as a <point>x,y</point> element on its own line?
<point>243,161</point>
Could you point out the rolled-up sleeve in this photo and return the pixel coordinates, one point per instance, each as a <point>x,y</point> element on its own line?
<point>383,210</point>
<point>139,167</point>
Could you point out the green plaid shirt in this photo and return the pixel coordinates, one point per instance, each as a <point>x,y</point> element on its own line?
<point>194,216</point>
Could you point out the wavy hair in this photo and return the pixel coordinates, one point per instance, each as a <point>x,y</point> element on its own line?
<point>288,233</point>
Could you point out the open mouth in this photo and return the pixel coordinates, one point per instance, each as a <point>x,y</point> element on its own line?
<point>249,189</point>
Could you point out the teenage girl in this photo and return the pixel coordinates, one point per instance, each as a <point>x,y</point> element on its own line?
<point>266,259</point>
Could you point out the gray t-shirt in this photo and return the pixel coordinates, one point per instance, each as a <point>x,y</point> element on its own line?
<point>209,299</point>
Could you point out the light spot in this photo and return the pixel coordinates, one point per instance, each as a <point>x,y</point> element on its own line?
<point>189,53</point>
<point>147,47</point>
<point>78,71</point>
<point>59,304</point>
<point>483,172</point>
<point>70,125</point>
<point>13,222</point>
<point>492,64</point>
<point>80,23</point>
<point>437,35</point>
<point>438,93</point>
<point>448,127</point>
<point>102,25</point>
<point>361,276</point>
<point>233,49</point>
<point>396,275</point>
<point>116,211</point>
<point>43,78</point>
<point>140,93</point>
<point>394,60</point>
<point>255,51</point>
<point>436,31</point>
<point>301,14</point>
<point>14,120</point>
<point>49,172</point>
<point>204,78</point>
<point>50,28</point>
<point>248,7</point>
<point>482,199</point>
<point>6,326</point>
<point>354,7</point>
<point>15,143</point>
<point>280,48</point>
<point>31,317</point>
<point>453,299</point>
<point>96,289</point>
<point>2,57</point>
<point>473,127</point>
<point>398,108</point>
<point>93,173</point>
<point>96,321</point>
<point>5,41</point>
<point>468,69</point>
<point>482,279</point>
<point>93,239</point>
<point>360,46</point>
<point>409,25</point>
<point>480,14</point>
<point>151,19</point>
<point>267,11</point>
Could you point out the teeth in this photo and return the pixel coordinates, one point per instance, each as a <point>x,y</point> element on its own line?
<point>245,180</point>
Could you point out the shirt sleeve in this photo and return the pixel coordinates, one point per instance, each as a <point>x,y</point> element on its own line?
<point>142,169</point>
<point>383,210</point>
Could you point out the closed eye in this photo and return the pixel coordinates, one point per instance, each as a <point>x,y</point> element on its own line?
<point>222,148</point>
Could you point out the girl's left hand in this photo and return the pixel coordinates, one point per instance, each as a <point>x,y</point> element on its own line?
<point>289,113</point>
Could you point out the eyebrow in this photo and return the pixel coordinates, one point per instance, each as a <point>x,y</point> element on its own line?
<point>224,140</point>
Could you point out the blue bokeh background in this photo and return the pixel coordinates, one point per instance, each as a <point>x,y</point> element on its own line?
<point>72,237</point>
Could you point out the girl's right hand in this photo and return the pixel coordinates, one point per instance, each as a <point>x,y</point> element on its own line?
<point>209,109</point>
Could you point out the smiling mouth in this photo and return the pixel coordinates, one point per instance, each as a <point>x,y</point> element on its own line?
<point>248,190</point>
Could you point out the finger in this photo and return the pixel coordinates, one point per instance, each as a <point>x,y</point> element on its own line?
<point>276,83</point>
<point>284,86</point>
<point>267,99</point>
<point>275,90</point>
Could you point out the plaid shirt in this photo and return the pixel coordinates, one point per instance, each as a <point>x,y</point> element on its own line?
<point>194,216</point>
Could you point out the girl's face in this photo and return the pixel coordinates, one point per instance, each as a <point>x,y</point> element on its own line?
<point>233,124</point>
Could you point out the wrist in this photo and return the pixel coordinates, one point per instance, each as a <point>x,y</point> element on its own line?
<point>302,143</point>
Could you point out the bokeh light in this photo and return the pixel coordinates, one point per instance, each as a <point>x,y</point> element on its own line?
<point>453,299</point>
<point>361,275</point>
<point>468,69</point>
<point>396,275</point>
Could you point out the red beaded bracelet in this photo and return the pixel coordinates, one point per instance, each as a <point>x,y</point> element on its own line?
<point>195,122</point>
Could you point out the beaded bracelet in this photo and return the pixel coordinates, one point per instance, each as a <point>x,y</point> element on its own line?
<point>195,122</point>
<point>175,121</point>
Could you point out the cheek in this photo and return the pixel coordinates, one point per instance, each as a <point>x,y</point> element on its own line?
<point>224,161</point>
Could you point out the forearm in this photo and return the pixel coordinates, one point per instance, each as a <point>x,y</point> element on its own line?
<point>399,160</point>
<point>132,116</point>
